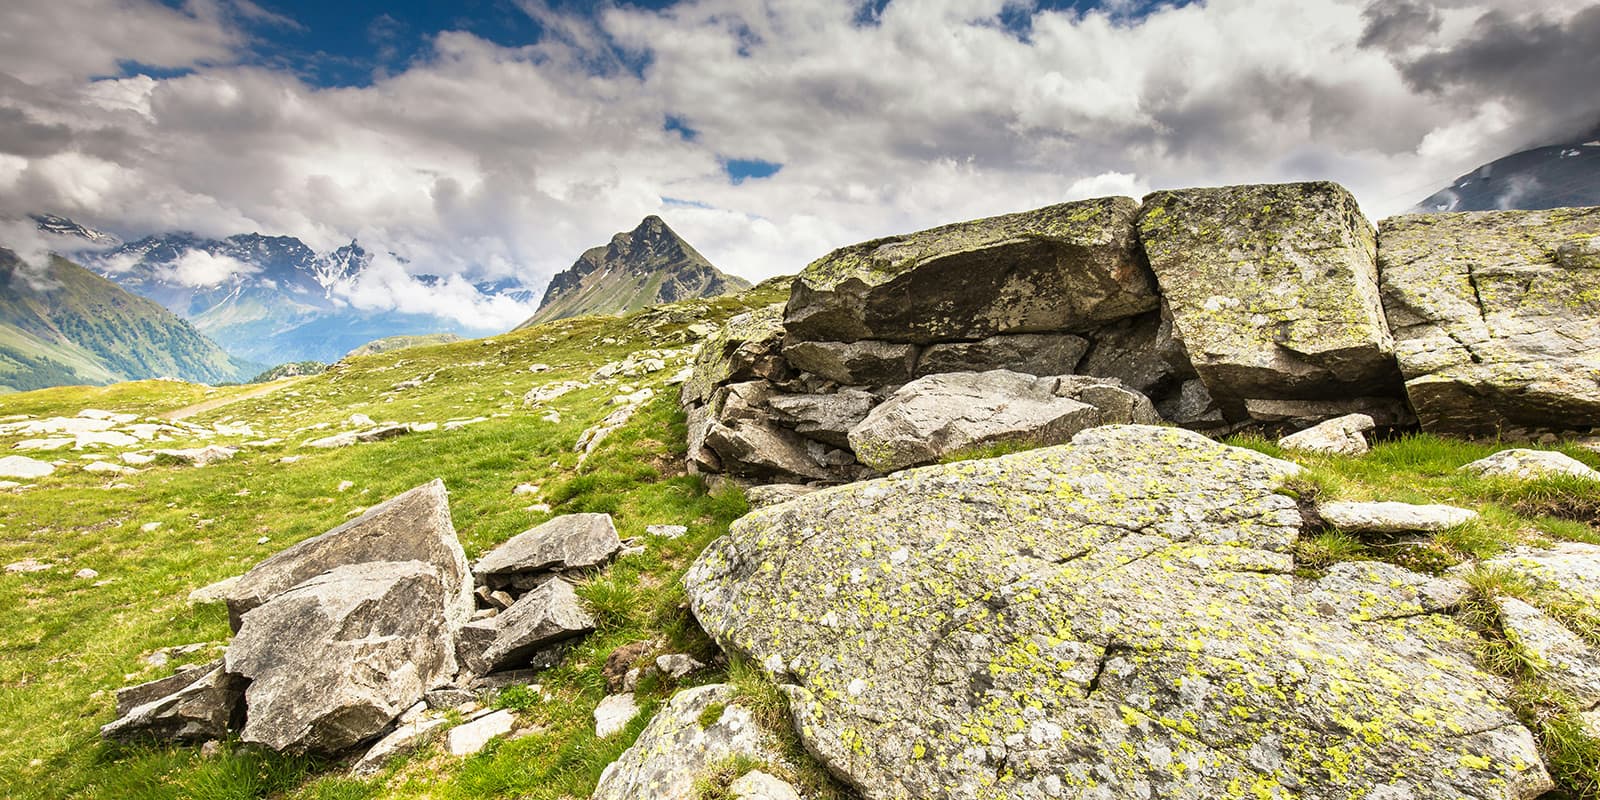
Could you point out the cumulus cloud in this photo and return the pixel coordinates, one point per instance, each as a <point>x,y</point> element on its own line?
<point>487,161</point>
<point>199,268</point>
<point>386,286</point>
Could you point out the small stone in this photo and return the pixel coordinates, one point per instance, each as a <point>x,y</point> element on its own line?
<point>136,459</point>
<point>345,486</point>
<point>359,420</point>
<point>211,749</point>
<point>666,531</point>
<point>1393,517</point>
<point>213,593</point>
<point>404,739</point>
<point>678,665</point>
<point>1529,465</point>
<point>1341,436</point>
<point>264,540</point>
<point>464,740</point>
<point>150,527</point>
<point>159,658</point>
<point>758,785</point>
<point>613,714</point>
<point>86,574</point>
<point>27,565</point>
<point>525,489</point>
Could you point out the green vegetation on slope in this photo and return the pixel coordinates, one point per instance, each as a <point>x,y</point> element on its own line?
<point>69,325</point>
<point>390,343</point>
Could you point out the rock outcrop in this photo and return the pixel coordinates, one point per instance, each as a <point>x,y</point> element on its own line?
<point>1119,616</point>
<point>195,706</point>
<point>1496,318</point>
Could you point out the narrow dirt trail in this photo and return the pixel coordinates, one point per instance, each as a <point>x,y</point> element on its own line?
<point>208,405</point>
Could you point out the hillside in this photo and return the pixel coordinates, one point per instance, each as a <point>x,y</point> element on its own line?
<point>647,266</point>
<point>389,343</point>
<point>72,326</point>
<point>1558,175</point>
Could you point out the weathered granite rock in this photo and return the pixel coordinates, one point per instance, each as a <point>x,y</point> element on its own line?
<point>677,665</point>
<point>826,418</point>
<point>402,740</point>
<point>613,714</point>
<point>337,658</point>
<point>411,526</point>
<point>1273,289</point>
<point>1068,267</point>
<point>773,494</point>
<point>744,349</point>
<point>1568,573</point>
<point>1117,618</point>
<point>862,363</point>
<point>1029,353</point>
<point>1567,661</point>
<point>1341,436</point>
<point>675,748</point>
<point>567,542</point>
<point>1389,412</point>
<point>758,785</point>
<point>24,467</point>
<point>935,416</point>
<point>1362,591</point>
<point>542,617</point>
<point>1143,352</point>
<point>195,706</point>
<point>759,450</point>
<point>1393,517</point>
<point>1496,317</point>
<point>1530,465</point>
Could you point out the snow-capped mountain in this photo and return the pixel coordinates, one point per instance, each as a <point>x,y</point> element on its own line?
<point>1566,173</point>
<point>61,226</point>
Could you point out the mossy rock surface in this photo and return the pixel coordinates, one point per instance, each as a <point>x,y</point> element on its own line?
<point>1496,318</point>
<point>1114,618</point>
<point>1067,267</point>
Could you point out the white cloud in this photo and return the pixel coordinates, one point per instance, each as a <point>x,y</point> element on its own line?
<point>201,269</point>
<point>386,286</point>
<point>486,160</point>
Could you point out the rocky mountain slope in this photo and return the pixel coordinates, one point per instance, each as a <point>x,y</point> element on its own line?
<point>1131,610</point>
<point>1559,175</point>
<point>67,325</point>
<point>647,266</point>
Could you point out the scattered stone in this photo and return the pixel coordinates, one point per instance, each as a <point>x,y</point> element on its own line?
<point>1393,517</point>
<point>458,424</point>
<point>402,740</point>
<point>24,467</point>
<point>525,489</point>
<point>27,565</point>
<point>345,486</point>
<point>263,540</point>
<point>359,421</point>
<point>1530,465</point>
<point>150,527</point>
<point>758,785</point>
<point>537,368</point>
<point>200,705</point>
<point>592,437</point>
<point>545,616</point>
<point>86,574</point>
<point>136,459</point>
<point>334,660</point>
<point>613,715</point>
<point>465,740</point>
<point>131,697</point>
<point>211,749</point>
<point>678,665</point>
<point>567,542</point>
<point>1494,317</point>
<point>1342,436</point>
<point>196,456</point>
<point>108,468</point>
<point>103,439</point>
<point>678,747</point>
<point>411,526</point>
<point>1067,267</point>
<point>666,531</point>
<point>289,459</point>
<point>1104,612</point>
<point>44,444</point>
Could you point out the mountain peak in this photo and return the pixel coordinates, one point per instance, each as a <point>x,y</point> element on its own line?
<point>646,266</point>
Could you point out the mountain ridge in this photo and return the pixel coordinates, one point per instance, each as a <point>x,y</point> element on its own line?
<point>1558,175</point>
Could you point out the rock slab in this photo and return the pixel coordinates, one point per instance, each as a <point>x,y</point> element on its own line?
<point>676,747</point>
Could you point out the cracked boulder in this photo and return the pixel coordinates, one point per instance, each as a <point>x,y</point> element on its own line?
<point>1496,318</point>
<point>1274,291</point>
<point>195,705</point>
<point>940,415</point>
<point>333,661</point>
<point>1115,618</point>
<point>411,526</point>
<point>567,542</point>
<point>1068,267</point>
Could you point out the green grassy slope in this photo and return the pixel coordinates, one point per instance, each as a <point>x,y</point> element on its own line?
<point>390,343</point>
<point>72,326</point>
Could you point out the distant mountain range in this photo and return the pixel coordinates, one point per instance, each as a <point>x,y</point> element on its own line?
<point>646,266</point>
<point>62,324</point>
<point>1558,175</point>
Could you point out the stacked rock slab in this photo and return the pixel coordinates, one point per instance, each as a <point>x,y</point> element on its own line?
<point>1496,318</point>
<point>1115,618</point>
<point>1274,291</point>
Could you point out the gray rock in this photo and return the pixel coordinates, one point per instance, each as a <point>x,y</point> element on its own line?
<point>700,457</point>
<point>677,665</point>
<point>773,494</point>
<point>405,739</point>
<point>675,748</point>
<point>411,526</point>
<point>567,542</point>
<point>667,531</point>
<point>337,658</point>
<point>214,592</point>
<point>826,418</point>
<point>1028,353</point>
<point>1361,591</point>
<point>1274,291</point>
<point>204,704</point>
<point>613,714</point>
<point>1393,517</point>
<point>863,363</point>
<point>1117,618</point>
<point>1143,352</point>
<point>1567,661</point>
<point>1495,317</point>
<point>744,349</point>
<point>762,451</point>
<point>758,785</point>
<point>1192,407</point>
<point>24,467</point>
<point>1568,573</point>
<point>1069,267</point>
<point>1342,436</point>
<point>936,416</point>
<point>1387,411</point>
<point>470,737</point>
<point>130,697</point>
<point>540,618</point>
<point>195,456</point>
<point>448,697</point>
<point>1527,464</point>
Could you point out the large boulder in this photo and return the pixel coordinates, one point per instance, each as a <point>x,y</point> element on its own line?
<point>1117,618</point>
<point>750,448</point>
<point>698,730</point>
<point>746,348</point>
<point>826,418</point>
<point>567,542</point>
<point>1031,353</point>
<point>862,363</point>
<point>337,658</point>
<point>1274,291</point>
<point>411,526</point>
<point>1496,318</point>
<point>1067,267</point>
<point>545,616</point>
<point>940,415</point>
<point>194,706</point>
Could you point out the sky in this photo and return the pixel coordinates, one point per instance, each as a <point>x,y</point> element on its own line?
<point>494,138</point>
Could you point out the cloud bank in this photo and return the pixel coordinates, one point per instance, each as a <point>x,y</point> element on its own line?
<point>487,160</point>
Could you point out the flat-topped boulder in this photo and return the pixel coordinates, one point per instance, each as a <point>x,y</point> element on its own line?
<point>1066,267</point>
<point>411,526</point>
<point>1496,318</point>
<point>1274,291</point>
<point>1115,618</point>
<point>567,542</point>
